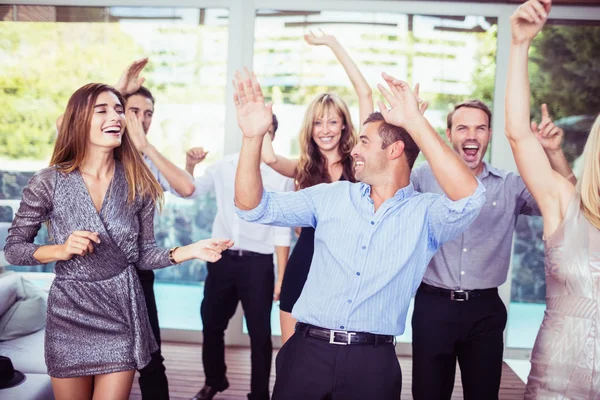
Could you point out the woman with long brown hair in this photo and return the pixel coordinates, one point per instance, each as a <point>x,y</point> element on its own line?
<point>327,137</point>
<point>98,197</point>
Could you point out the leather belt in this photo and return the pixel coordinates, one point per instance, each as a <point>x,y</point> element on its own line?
<point>334,336</point>
<point>245,253</point>
<point>457,295</point>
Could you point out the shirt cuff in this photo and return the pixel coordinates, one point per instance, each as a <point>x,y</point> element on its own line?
<point>477,199</point>
<point>256,213</point>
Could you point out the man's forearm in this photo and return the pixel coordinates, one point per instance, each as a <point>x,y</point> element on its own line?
<point>451,173</point>
<point>181,181</point>
<point>248,181</point>
<point>559,163</point>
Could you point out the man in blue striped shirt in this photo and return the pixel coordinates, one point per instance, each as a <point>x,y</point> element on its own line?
<point>373,241</point>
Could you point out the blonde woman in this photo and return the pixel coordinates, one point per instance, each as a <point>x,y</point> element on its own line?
<point>98,197</point>
<point>327,137</point>
<point>566,356</point>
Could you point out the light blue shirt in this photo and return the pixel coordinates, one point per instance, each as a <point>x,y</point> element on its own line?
<point>366,264</point>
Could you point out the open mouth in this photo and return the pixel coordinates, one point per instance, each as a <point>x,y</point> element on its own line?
<point>471,151</point>
<point>114,130</point>
<point>326,139</point>
<point>359,164</point>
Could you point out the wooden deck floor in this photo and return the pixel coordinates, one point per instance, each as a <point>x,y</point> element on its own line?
<point>186,377</point>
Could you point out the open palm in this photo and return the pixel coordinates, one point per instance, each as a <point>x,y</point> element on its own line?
<point>130,80</point>
<point>253,115</point>
<point>404,105</point>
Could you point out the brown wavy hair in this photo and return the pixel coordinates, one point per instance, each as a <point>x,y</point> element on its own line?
<point>312,166</point>
<point>70,149</point>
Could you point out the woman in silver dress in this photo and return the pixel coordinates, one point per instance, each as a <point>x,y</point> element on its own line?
<point>98,198</point>
<point>565,360</point>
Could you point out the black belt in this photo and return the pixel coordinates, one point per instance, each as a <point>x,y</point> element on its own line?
<point>457,295</point>
<point>343,337</point>
<point>245,253</point>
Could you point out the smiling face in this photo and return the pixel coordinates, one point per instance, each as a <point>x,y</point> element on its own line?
<point>470,136</point>
<point>370,158</point>
<point>141,105</point>
<point>327,130</point>
<point>108,122</point>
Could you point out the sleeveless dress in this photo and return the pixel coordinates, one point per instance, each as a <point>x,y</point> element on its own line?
<point>97,322</point>
<point>565,361</point>
<point>296,271</point>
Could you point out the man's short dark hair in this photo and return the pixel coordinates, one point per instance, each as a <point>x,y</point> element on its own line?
<point>275,124</point>
<point>478,104</point>
<point>390,134</point>
<point>142,91</point>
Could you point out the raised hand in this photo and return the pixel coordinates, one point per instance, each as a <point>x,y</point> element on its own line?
<point>194,156</point>
<point>210,249</point>
<point>253,115</point>
<point>404,105</point>
<point>135,130</point>
<point>319,40</point>
<point>529,19</point>
<point>549,135</point>
<point>79,243</point>
<point>130,80</point>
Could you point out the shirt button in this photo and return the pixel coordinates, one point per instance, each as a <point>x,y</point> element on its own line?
<point>372,222</point>
<point>462,272</point>
<point>494,203</point>
<point>342,327</point>
<point>465,250</point>
<point>349,301</point>
<point>358,273</point>
<point>364,247</point>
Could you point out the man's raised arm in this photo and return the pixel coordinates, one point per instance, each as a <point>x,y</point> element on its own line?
<point>451,173</point>
<point>254,118</point>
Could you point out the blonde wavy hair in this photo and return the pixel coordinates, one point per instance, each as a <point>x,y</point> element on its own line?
<point>588,185</point>
<point>312,165</point>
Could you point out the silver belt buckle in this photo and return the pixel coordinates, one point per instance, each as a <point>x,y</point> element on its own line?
<point>452,292</point>
<point>348,337</point>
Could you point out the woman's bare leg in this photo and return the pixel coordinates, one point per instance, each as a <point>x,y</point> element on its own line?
<point>288,325</point>
<point>79,388</point>
<point>115,386</point>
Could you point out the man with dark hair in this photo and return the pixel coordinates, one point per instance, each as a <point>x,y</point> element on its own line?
<point>373,241</point>
<point>244,274</point>
<point>139,110</point>
<point>458,314</point>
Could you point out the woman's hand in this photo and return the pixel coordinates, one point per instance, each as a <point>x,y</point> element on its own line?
<point>79,243</point>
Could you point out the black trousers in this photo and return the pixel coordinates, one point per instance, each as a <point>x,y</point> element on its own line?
<point>313,369</point>
<point>251,280</point>
<point>153,380</point>
<point>445,331</point>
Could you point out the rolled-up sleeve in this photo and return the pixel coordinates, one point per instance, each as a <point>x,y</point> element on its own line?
<point>447,219</point>
<point>285,209</point>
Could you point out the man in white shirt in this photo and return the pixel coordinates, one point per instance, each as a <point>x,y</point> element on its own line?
<point>245,273</point>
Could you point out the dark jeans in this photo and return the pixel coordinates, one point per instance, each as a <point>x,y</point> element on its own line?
<point>153,380</point>
<point>445,331</point>
<point>251,280</point>
<point>313,369</point>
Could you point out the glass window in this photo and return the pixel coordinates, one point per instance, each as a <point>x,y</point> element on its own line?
<point>47,52</point>
<point>564,64</point>
<point>452,57</point>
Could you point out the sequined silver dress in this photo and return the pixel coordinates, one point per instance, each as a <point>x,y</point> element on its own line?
<point>565,361</point>
<point>97,321</point>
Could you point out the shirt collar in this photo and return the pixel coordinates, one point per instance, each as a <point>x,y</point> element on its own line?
<point>402,193</point>
<point>488,169</point>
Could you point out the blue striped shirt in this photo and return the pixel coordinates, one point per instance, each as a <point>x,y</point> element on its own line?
<point>366,265</point>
